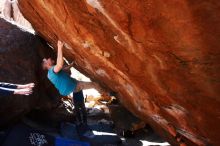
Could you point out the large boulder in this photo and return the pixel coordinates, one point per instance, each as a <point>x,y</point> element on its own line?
<point>161,57</point>
<point>20,62</point>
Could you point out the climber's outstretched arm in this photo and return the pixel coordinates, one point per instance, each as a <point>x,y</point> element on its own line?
<point>58,67</point>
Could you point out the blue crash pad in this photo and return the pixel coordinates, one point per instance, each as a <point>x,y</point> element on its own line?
<point>23,135</point>
<point>68,142</point>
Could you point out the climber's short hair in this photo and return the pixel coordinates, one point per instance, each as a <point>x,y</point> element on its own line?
<point>47,63</point>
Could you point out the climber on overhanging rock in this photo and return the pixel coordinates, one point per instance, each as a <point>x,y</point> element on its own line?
<point>65,84</point>
<point>7,89</point>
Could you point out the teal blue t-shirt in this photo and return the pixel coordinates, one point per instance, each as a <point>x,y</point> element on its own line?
<point>62,81</point>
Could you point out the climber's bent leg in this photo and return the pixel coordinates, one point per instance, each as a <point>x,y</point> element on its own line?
<point>88,85</point>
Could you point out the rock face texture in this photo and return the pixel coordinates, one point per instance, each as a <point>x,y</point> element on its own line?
<point>162,58</point>
<point>10,11</point>
<point>20,63</point>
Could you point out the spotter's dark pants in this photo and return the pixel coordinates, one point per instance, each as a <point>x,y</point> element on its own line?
<point>80,109</point>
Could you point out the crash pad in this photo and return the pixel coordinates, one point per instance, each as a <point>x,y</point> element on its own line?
<point>23,135</point>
